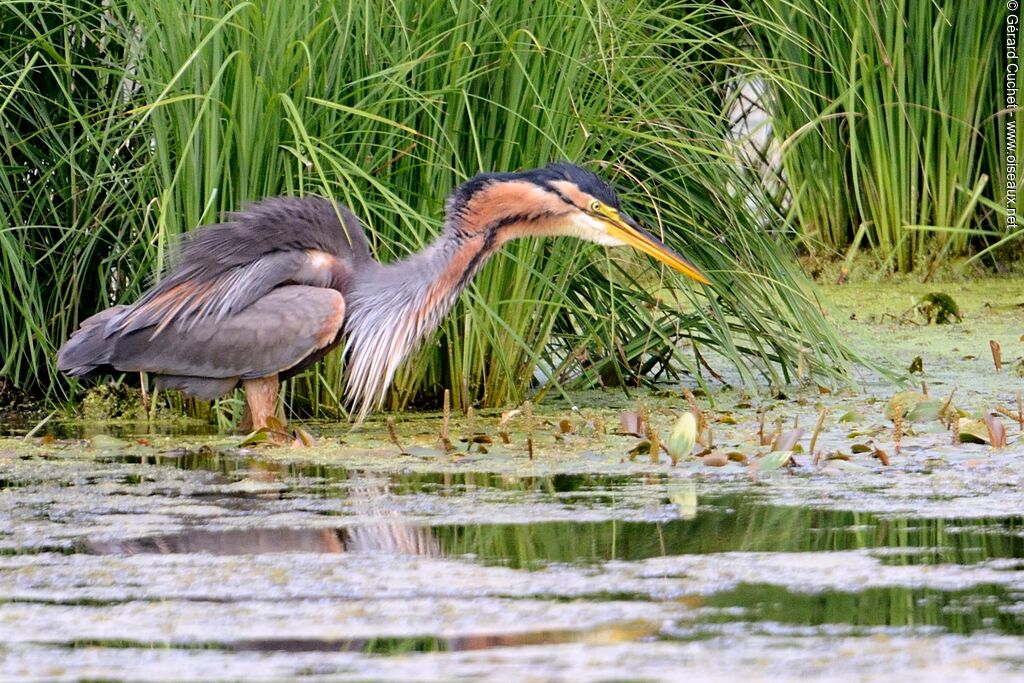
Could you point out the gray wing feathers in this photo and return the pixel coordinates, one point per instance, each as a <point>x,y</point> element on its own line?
<point>200,387</point>
<point>275,224</point>
<point>219,269</point>
<point>231,292</point>
<point>270,335</point>
<point>247,298</point>
<point>88,349</point>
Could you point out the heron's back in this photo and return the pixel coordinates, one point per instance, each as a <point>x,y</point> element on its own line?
<point>215,276</point>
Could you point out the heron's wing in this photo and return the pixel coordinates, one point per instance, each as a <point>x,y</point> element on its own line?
<point>272,334</point>
<point>273,225</point>
<point>220,269</point>
<point>230,288</point>
<point>188,298</point>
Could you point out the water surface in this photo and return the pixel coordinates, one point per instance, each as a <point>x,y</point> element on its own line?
<point>130,565</point>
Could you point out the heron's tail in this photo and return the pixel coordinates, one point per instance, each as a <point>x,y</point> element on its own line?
<point>90,347</point>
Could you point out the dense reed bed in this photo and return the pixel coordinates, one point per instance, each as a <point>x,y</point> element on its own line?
<point>126,124</point>
<point>888,123</point>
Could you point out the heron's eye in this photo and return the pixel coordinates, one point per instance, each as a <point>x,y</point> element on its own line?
<point>595,206</point>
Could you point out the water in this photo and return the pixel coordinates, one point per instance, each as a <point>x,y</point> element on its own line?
<point>134,565</point>
<point>724,524</point>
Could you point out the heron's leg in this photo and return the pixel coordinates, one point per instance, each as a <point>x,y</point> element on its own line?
<point>260,399</point>
<point>245,424</point>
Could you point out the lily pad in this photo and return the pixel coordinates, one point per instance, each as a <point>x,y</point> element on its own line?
<point>836,464</point>
<point>928,410</point>
<point>939,308</point>
<point>787,441</point>
<point>916,407</point>
<point>716,460</point>
<point>774,460</point>
<point>105,442</point>
<point>973,431</point>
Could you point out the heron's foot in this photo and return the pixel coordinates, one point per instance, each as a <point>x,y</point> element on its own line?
<point>274,432</point>
<point>261,405</point>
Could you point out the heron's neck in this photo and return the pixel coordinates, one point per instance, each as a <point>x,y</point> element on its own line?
<point>392,310</point>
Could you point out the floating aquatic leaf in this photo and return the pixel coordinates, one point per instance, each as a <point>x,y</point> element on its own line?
<point>774,460</point>
<point>632,423</point>
<point>787,440</point>
<point>106,442</point>
<point>861,448</point>
<point>928,410</point>
<point>254,439</point>
<point>303,439</point>
<point>996,431</point>
<point>716,460</point>
<point>973,431</point>
<point>851,416</point>
<point>424,452</point>
<point>916,406</point>
<point>683,436</point>
<point>939,308</point>
<point>869,433</point>
<point>845,466</point>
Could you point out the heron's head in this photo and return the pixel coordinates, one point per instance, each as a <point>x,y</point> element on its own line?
<point>559,199</point>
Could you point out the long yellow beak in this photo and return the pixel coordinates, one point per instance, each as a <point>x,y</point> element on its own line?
<point>626,229</point>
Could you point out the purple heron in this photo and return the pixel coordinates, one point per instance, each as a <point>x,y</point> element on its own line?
<point>269,292</point>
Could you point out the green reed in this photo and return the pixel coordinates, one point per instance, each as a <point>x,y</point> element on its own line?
<point>883,112</point>
<point>125,126</point>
